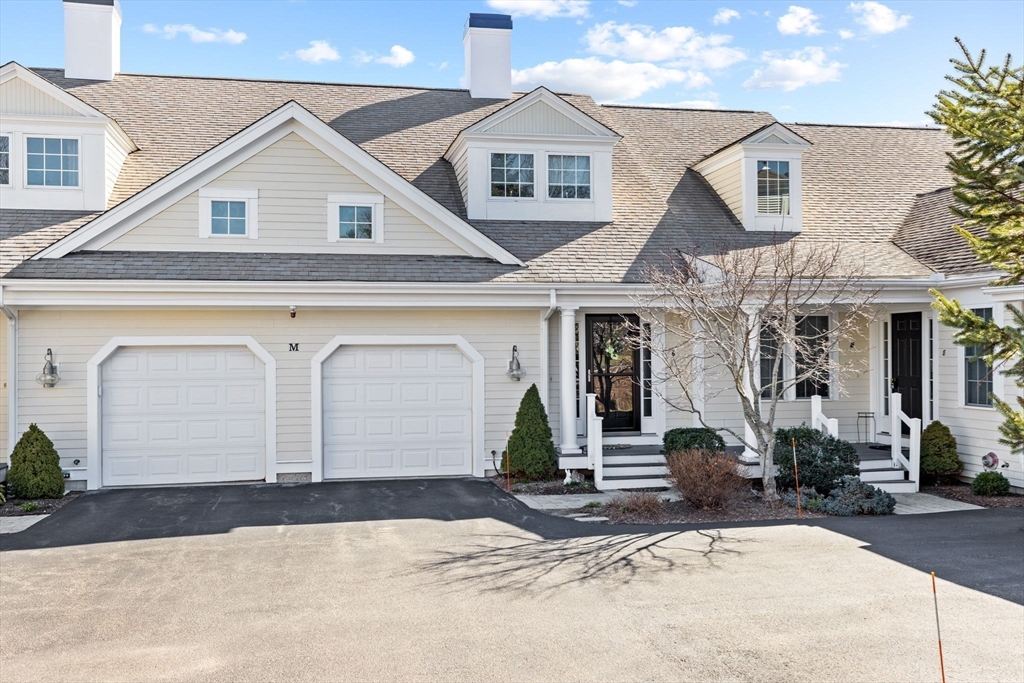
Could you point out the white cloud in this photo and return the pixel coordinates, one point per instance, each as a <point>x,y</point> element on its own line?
<point>605,81</point>
<point>682,45</point>
<point>724,16</point>
<point>804,67</point>
<point>799,21</point>
<point>318,51</point>
<point>846,34</point>
<point>542,9</point>
<point>627,3</point>
<point>213,35</point>
<point>398,58</point>
<point>877,18</point>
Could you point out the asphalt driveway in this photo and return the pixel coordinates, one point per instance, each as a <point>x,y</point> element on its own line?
<point>453,580</point>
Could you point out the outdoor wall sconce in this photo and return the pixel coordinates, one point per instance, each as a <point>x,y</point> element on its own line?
<point>48,377</point>
<point>515,371</point>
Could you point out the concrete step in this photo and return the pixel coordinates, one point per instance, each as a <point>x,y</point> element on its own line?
<point>896,486</point>
<point>627,458</point>
<point>891,474</point>
<point>649,469</point>
<point>612,483</point>
<point>879,464</point>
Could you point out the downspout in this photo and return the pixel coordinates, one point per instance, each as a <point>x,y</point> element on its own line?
<point>12,377</point>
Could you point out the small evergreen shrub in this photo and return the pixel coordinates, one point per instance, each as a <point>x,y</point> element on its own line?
<point>990,484</point>
<point>530,445</point>
<point>851,497</point>
<point>822,460</point>
<point>706,479</point>
<point>35,467</point>
<point>938,452</point>
<point>685,438</point>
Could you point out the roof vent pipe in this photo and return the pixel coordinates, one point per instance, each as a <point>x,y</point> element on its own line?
<point>488,42</point>
<point>92,39</point>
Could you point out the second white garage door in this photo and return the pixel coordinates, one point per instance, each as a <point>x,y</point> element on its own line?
<point>397,412</point>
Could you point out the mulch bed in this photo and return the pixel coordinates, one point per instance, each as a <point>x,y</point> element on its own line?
<point>744,507</point>
<point>44,506</point>
<point>962,492</point>
<point>544,488</point>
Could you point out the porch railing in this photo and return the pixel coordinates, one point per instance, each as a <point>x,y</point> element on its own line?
<point>819,421</point>
<point>595,447</point>
<point>899,418</point>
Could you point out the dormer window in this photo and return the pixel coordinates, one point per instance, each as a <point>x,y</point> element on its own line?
<point>512,175</point>
<point>52,162</point>
<point>568,176</point>
<point>773,187</point>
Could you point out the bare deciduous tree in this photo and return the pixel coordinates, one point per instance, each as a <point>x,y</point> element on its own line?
<point>729,314</point>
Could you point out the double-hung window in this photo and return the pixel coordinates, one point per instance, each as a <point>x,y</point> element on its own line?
<point>512,175</point>
<point>568,176</point>
<point>812,332</point>
<point>5,160</point>
<point>773,187</point>
<point>771,360</point>
<point>977,373</point>
<point>228,213</point>
<point>51,162</point>
<point>355,218</point>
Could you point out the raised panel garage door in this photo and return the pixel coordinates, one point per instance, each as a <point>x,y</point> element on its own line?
<point>174,415</point>
<point>397,412</point>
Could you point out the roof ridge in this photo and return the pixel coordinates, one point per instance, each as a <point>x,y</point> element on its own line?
<point>662,108</point>
<point>860,125</point>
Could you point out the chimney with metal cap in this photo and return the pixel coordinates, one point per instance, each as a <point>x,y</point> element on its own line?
<point>92,39</point>
<point>488,42</point>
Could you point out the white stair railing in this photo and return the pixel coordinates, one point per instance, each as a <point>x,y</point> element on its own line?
<point>595,447</point>
<point>819,421</point>
<point>899,418</point>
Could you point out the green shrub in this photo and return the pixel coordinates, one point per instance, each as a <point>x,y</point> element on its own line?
<point>35,467</point>
<point>938,452</point>
<point>687,438</point>
<point>990,484</point>
<point>851,497</point>
<point>532,450</point>
<point>822,460</point>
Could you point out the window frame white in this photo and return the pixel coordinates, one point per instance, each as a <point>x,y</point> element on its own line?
<point>547,180</point>
<point>538,175</point>
<point>336,200</point>
<point>789,187</point>
<point>963,359</point>
<point>50,136</point>
<point>10,159</point>
<point>208,195</point>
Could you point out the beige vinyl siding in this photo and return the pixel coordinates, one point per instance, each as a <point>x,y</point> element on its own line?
<point>18,97</point>
<point>76,336</point>
<point>293,178</point>
<point>539,118</point>
<point>727,182</point>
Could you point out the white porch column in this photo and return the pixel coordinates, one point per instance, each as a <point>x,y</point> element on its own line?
<point>567,380</point>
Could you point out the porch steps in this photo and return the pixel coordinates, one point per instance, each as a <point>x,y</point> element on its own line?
<point>637,467</point>
<point>634,481</point>
<point>876,469</point>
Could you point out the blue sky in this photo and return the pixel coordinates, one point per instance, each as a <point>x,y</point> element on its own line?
<point>836,62</point>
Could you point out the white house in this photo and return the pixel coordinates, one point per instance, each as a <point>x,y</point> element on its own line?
<point>286,281</point>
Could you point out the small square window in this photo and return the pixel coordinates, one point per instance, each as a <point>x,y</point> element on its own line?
<point>51,162</point>
<point>227,218</point>
<point>355,222</point>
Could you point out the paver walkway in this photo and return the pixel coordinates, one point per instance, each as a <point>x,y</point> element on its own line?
<point>12,525</point>
<point>926,503</point>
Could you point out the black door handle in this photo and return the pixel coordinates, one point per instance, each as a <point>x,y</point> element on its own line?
<point>893,384</point>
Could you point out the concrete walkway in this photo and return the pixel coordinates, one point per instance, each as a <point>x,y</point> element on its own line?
<point>578,500</point>
<point>926,503</point>
<point>12,525</point>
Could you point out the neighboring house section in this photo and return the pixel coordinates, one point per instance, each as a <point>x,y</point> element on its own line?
<point>326,281</point>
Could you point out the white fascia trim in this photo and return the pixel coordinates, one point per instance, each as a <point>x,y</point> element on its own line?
<point>542,94</point>
<point>316,387</point>
<point>245,144</point>
<point>94,473</point>
<point>741,147</point>
<point>1010,293</point>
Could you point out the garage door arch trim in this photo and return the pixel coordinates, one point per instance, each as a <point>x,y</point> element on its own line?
<point>93,380</point>
<point>458,341</point>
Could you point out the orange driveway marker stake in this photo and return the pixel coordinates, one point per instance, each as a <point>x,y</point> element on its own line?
<point>796,474</point>
<point>935,598</point>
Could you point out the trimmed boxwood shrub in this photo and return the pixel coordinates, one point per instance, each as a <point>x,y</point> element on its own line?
<point>938,453</point>
<point>690,438</point>
<point>823,460</point>
<point>533,451</point>
<point>35,467</point>
<point>990,484</point>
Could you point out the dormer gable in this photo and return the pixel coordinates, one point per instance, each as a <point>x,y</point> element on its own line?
<point>537,158</point>
<point>759,177</point>
<point>61,153</point>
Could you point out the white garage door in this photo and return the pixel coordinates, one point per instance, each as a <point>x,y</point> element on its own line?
<point>397,412</point>
<point>175,415</point>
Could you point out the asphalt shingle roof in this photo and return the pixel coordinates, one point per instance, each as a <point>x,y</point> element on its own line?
<point>859,183</point>
<point>927,234</point>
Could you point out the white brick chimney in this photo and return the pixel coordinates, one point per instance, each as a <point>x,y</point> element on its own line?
<point>488,42</point>
<point>92,39</point>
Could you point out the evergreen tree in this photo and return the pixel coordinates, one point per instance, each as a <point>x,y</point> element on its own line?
<point>35,467</point>
<point>984,114</point>
<point>530,445</point>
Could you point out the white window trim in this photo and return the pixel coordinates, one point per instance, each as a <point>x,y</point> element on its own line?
<point>10,159</point>
<point>757,183</point>
<point>251,199</point>
<point>962,363</point>
<point>565,200</point>
<point>540,177</point>
<point>49,136</point>
<point>336,200</point>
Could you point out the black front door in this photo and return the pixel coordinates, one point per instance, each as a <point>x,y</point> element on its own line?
<point>613,365</point>
<point>906,362</point>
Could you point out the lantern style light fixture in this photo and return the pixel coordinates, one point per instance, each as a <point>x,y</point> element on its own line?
<point>515,371</point>
<point>48,377</point>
